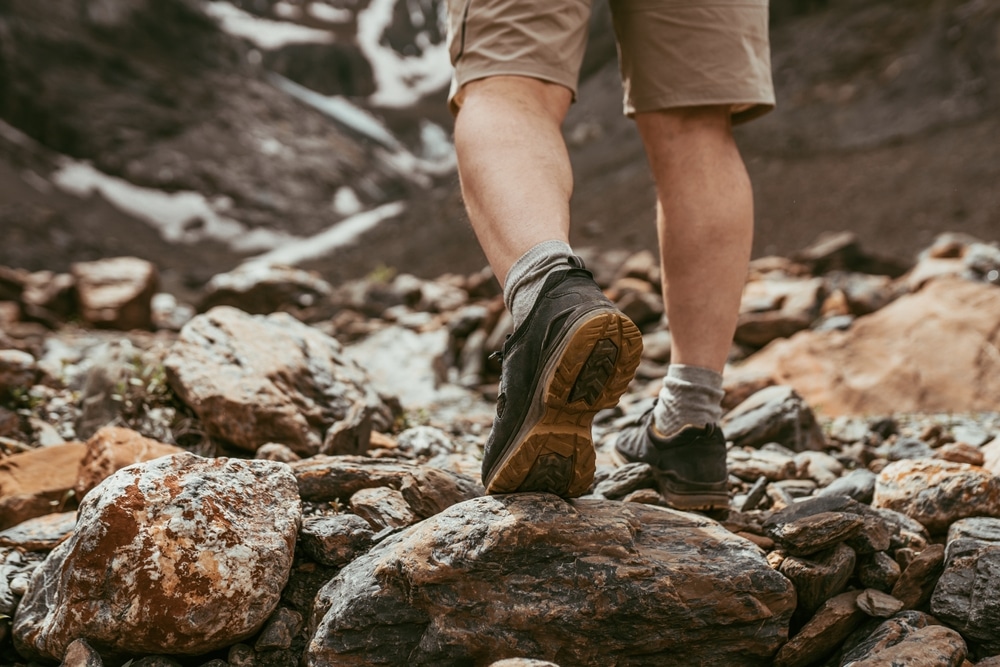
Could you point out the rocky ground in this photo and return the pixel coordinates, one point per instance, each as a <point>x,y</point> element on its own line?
<point>286,472</point>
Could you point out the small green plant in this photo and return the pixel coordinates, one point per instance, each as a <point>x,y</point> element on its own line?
<point>382,274</point>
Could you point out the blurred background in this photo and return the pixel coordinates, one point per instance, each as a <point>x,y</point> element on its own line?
<point>199,134</point>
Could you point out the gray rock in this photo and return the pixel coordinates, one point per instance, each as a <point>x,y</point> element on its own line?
<point>39,534</point>
<point>180,555</point>
<point>335,540</point>
<point>858,484</point>
<point>531,574</point>
<point>523,662</point>
<point>280,630</point>
<point>983,529</point>
<point>908,448</point>
<point>775,414</point>
<point>309,396</point>
<point>626,479</point>
<point>965,596</point>
<point>16,568</point>
<point>425,442</point>
<point>427,490</point>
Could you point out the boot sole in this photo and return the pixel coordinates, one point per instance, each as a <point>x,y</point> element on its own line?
<point>589,372</point>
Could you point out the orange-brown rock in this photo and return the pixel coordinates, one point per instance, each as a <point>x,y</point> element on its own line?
<point>116,293</point>
<point>38,482</point>
<point>935,350</point>
<point>111,449</point>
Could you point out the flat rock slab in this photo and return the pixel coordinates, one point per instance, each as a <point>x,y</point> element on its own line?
<point>588,582</point>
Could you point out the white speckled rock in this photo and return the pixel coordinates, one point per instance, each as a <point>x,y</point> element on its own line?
<point>180,555</point>
<point>254,380</point>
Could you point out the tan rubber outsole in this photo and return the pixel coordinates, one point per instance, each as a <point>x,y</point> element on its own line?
<point>590,373</point>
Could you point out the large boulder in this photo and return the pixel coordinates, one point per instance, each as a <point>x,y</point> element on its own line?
<point>180,555</point>
<point>589,582</point>
<point>925,352</point>
<point>254,380</point>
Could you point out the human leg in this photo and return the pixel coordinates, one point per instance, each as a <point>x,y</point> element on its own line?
<point>572,353</point>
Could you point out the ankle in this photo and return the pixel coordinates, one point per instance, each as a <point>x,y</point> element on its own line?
<point>527,275</point>
<point>691,396</point>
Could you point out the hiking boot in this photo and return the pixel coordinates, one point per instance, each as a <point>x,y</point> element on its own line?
<point>690,466</point>
<point>573,356</point>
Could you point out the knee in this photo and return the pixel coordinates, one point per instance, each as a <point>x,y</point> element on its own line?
<point>703,121</point>
<point>516,94</point>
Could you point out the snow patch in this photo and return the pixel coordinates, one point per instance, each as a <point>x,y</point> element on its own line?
<point>264,33</point>
<point>400,81</point>
<point>341,234</point>
<point>180,217</point>
<point>324,12</point>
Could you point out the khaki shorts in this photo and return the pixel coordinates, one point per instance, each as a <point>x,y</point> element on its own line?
<point>672,53</point>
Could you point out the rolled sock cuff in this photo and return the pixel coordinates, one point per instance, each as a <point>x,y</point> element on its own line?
<point>691,395</point>
<point>527,275</point>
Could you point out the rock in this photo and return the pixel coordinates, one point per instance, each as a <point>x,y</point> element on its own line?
<point>918,579</point>
<point>960,452</point>
<point>335,540</point>
<point>819,466</point>
<point>39,534</point>
<point>523,662</point>
<point>875,535</point>
<point>472,585</point>
<point>819,577</point>
<point>426,490</point>
<point>878,571</point>
<point>116,293</point>
<point>740,385</point>
<point>908,448</point>
<point>17,371</point>
<point>886,634</point>
<point>971,568</point>
<point>991,456</point>
<point>38,482</point>
<point>878,604</point>
<point>275,451</point>
<point>750,464</point>
<point>112,449</point>
<point>16,569</point>
<point>776,308</point>
<point>932,646</point>
<point>202,549</point>
<point>309,397</point>
<point>937,493</point>
<point>279,630</point>
<point>383,507</point>
<point>834,621</point>
<point>935,363</point>
<point>814,533</point>
<point>775,414</point>
<point>624,480</point>
<point>425,442</point>
<point>48,297</point>
<point>260,289</point>
<point>858,484</point>
<point>81,654</point>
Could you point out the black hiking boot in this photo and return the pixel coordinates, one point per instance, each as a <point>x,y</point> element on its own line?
<point>573,356</point>
<point>690,466</point>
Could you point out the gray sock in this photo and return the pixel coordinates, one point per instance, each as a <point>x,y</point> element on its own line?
<point>690,395</point>
<point>527,275</point>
